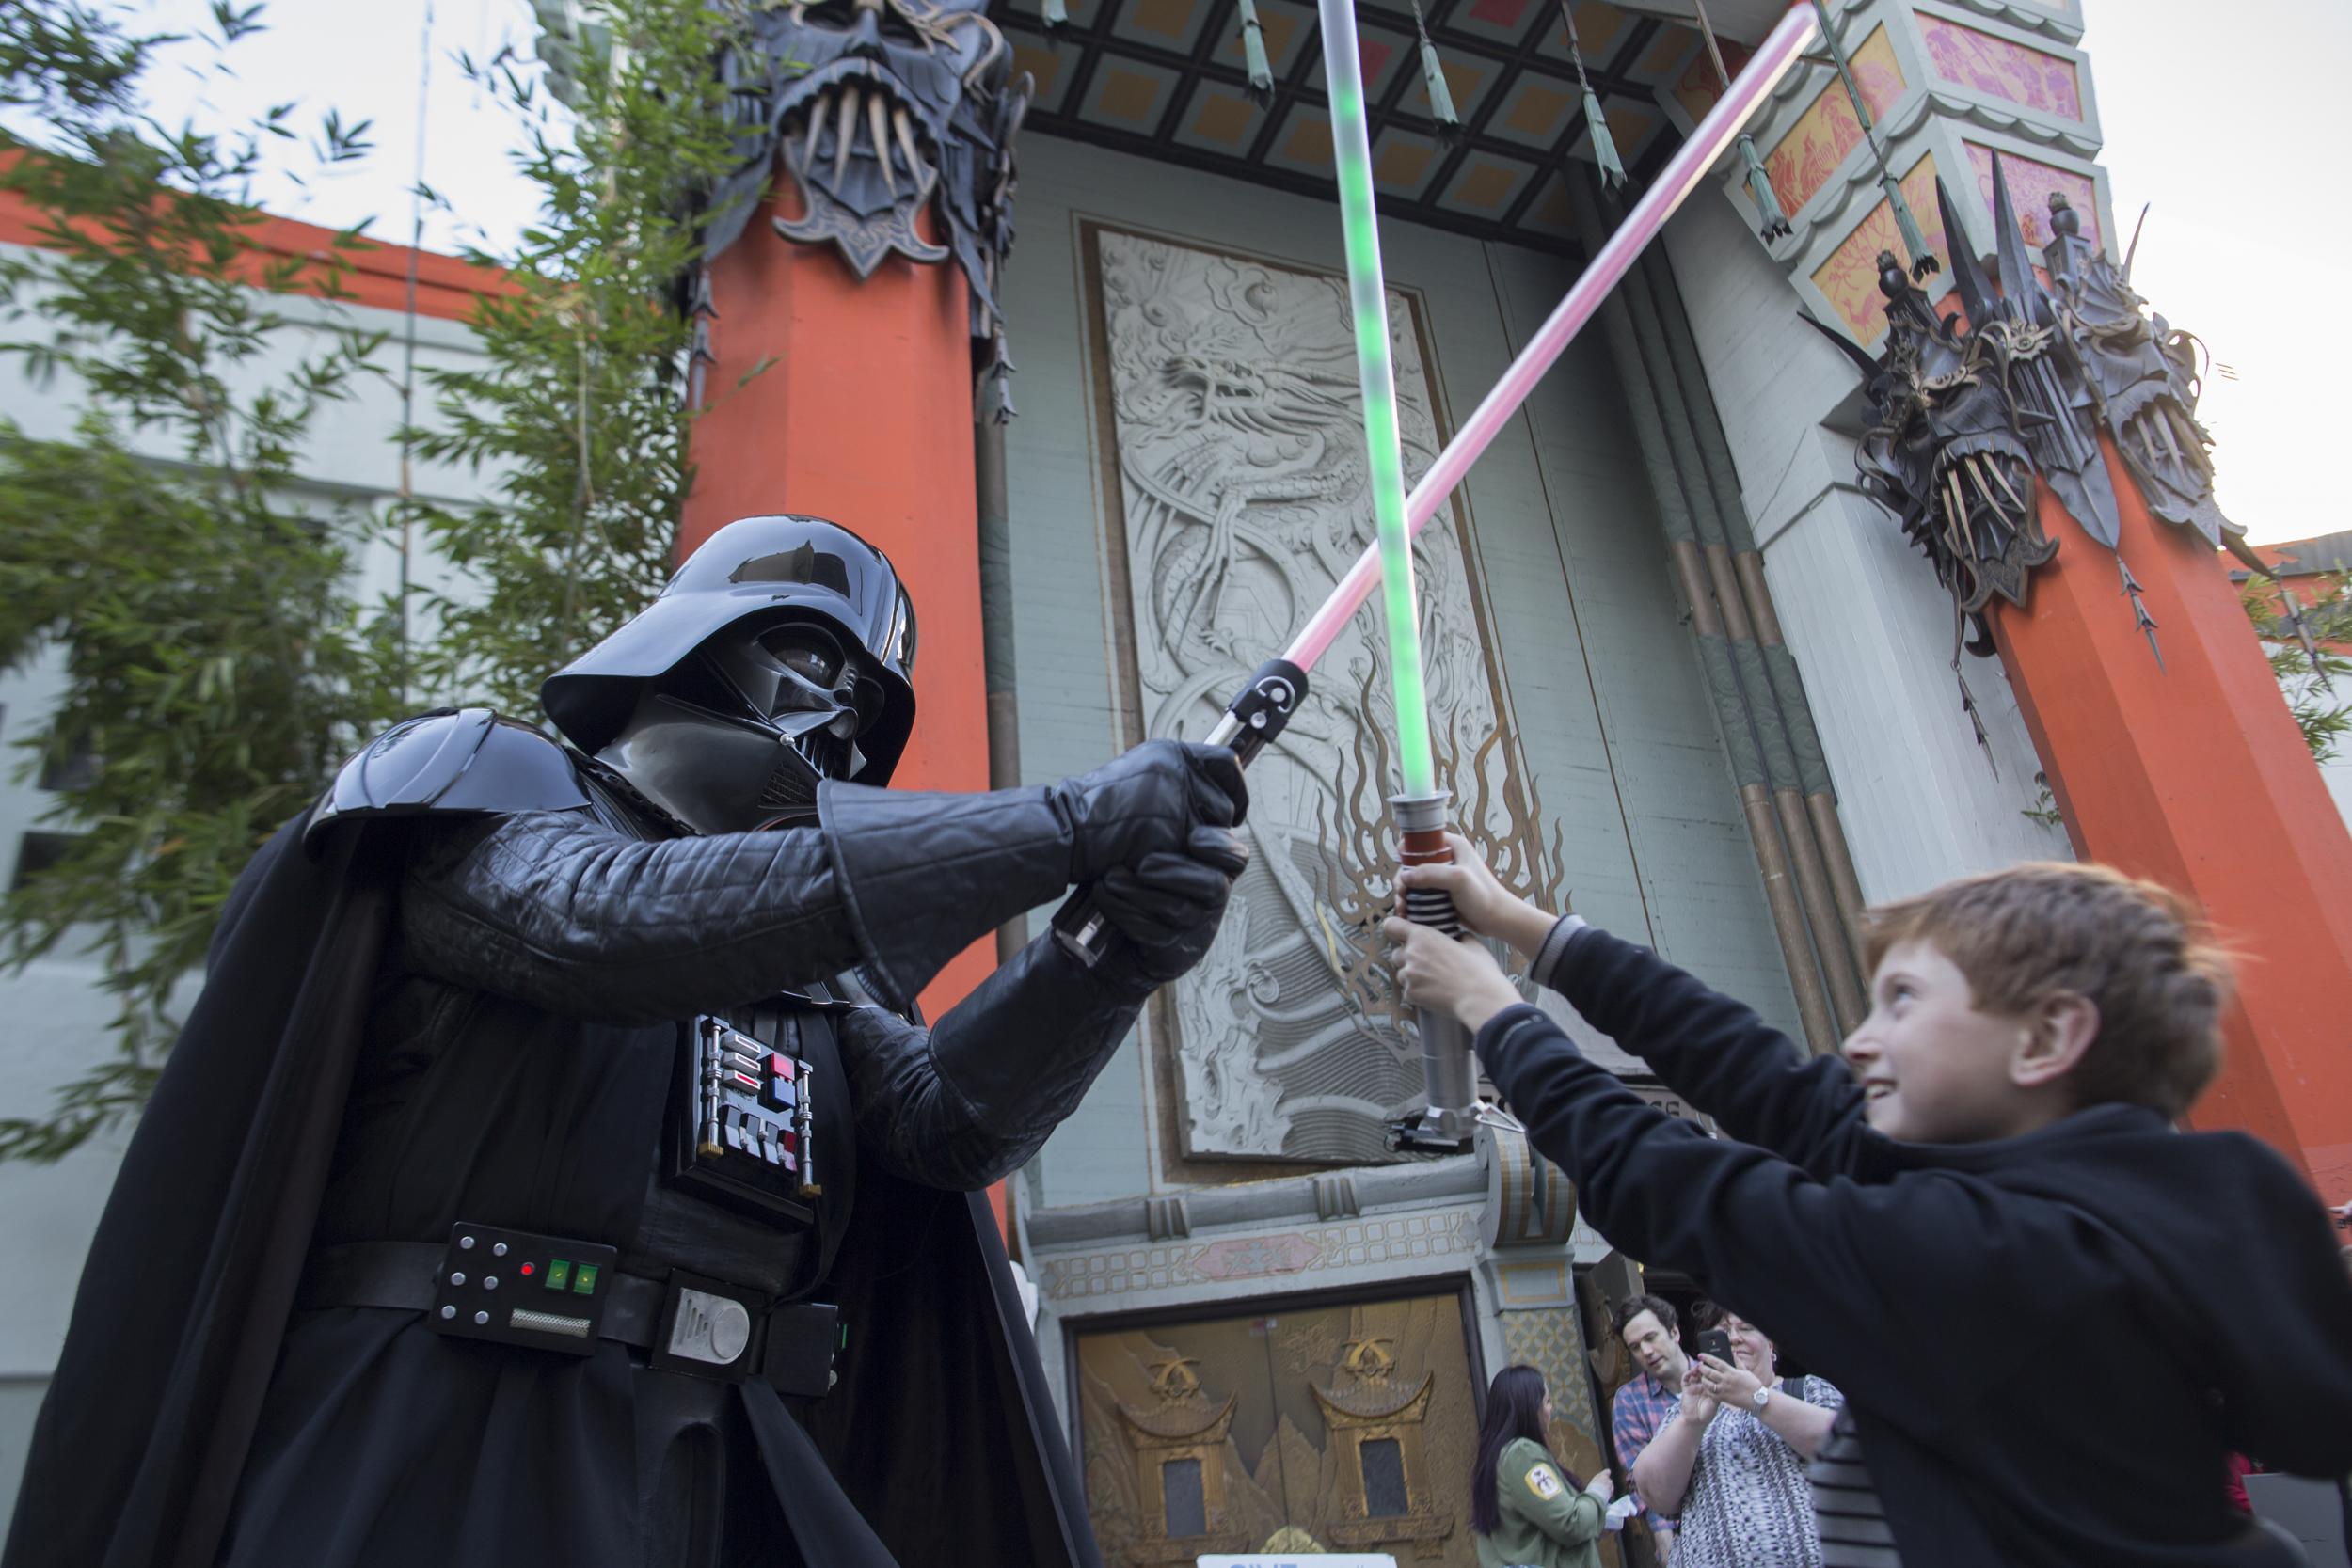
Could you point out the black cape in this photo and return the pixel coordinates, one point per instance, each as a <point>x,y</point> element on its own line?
<point>941,1431</point>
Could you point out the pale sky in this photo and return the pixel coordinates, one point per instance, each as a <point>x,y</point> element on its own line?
<point>2247,244</point>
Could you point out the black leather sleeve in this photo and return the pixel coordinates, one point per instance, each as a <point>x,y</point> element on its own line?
<point>965,1102</point>
<point>560,911</point>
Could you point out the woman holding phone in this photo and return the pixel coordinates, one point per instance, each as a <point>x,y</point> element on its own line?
<point>1527,1509</point>
<point>1732,1459</point>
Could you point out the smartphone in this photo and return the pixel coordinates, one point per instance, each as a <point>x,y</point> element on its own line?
<point>1715,1342</point>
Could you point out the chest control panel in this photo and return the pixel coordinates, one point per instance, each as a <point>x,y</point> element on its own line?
<point>743,1130</point>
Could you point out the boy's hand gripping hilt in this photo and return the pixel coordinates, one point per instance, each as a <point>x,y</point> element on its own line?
<point>1445,1126</point>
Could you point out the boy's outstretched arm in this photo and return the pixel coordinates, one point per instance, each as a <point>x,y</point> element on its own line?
<point>1714,1051</point>
<point>1825,1266</point>
<point>1756,1082</point>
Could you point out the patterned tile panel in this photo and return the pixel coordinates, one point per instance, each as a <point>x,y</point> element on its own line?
<point>2030,78</point>
<point>2030,182</point>
<point>1668,52</point>
<point>1290,29</point>
<point>1219,120</point>
<point>1599,29</point>
<point>1303,145</point>
<point>1850,279</point>
<point>1164,23</point>
<point>1052,64</point>
<point>1818,144</point>
<point>1698,86</point>
<point>1379,55</point>
<point>1469,80</point>
<point>1486,187</point>
<point>1536,112</point>
<point>1632,127</point>
<point>1503,22</point>
<point>1403,162</point>
<point>1129,94</point>
<point>1550,1341</point>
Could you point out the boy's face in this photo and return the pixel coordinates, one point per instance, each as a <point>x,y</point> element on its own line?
<point>1934,1069</point>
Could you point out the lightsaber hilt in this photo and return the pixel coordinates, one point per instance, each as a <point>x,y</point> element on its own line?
<point>1445,1126</point>
<point>1258,713</point>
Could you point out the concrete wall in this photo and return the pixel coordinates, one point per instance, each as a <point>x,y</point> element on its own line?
<point>55,1015</point>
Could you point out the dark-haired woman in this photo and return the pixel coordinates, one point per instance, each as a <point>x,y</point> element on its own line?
<point>1527,1511</point>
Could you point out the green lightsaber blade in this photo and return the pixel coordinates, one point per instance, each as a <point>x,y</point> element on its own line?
<point>1368,297</point>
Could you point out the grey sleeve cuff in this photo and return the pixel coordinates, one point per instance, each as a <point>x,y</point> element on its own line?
<point>1544,969</point>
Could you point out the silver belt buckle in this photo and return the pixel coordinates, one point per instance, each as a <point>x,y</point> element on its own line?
<point>708,1328</point>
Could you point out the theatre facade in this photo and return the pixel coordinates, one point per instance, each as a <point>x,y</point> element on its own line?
<point>1056,306</point>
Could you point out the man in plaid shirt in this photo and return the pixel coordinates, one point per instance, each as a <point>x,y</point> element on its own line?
<point>1649,1328</point>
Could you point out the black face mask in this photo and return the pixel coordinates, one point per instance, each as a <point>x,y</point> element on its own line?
<point>740,734</point>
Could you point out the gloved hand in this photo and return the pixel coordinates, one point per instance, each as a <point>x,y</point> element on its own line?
<point>1147,802</point>
<point>1168,904</point>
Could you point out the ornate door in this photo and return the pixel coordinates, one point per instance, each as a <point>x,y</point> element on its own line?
<point>1337,1427</point>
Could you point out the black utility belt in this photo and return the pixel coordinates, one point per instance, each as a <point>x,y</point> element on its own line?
<point>545,1292</point>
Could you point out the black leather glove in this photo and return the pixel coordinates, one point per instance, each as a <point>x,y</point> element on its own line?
<point>1148,801</point>
<point>1167,905</point>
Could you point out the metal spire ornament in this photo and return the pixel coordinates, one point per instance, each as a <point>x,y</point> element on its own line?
<point>1056,13</point>
<point>1604,145</point>
<point>1441,110</point>
<point>1923,261</point>
<point>1261,88</point>
<point>1771,222</point>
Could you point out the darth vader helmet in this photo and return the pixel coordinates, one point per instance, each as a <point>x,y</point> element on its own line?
<point>779,656</point>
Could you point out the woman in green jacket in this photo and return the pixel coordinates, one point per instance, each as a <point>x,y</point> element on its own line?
<point>1528,1510</point>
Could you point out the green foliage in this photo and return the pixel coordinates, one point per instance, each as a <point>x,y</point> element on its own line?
<point>577,406</point>
<point>215,664</point>
<point>217,661</point>
<point>2321,709</point>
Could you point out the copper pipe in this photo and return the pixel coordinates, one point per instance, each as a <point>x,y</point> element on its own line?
<point>1821,803</point>
<point>1828,836</point>
<point>1711,599</point>
<point>1804,977</point>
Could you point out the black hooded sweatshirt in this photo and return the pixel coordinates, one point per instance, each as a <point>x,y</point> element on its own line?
<point>2050,1344</point>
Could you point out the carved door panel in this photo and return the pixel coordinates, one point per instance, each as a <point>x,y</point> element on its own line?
<point>1238,466</point>
<point>1342,1428</point>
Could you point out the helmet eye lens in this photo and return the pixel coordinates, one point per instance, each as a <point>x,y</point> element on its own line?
<point>808,651</point>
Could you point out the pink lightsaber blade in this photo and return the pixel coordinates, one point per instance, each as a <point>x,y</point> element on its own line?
<point>1713,138</point>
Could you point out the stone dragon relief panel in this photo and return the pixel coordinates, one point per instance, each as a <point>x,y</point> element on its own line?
<point>1242,502</point>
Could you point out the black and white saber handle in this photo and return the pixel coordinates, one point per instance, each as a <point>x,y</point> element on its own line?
<point>1256,715</point>
<point>1452,1113</point>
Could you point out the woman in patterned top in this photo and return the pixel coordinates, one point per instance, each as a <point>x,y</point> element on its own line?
<point>1732,1459</point>
<point>1527,1511</point>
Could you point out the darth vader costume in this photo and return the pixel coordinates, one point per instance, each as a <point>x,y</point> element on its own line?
<point>552,1170</point>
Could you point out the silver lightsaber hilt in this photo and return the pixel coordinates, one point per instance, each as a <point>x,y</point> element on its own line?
<point>1445,1126</point>
<point>1256,715</point>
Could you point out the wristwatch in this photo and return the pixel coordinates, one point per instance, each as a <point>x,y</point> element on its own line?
<point>1763,1397</point>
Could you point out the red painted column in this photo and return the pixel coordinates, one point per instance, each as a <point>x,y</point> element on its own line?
<point>2195,776</point>
<point>865,417</point>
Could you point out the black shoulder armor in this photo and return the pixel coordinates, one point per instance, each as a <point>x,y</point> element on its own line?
<point>451,760</point>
